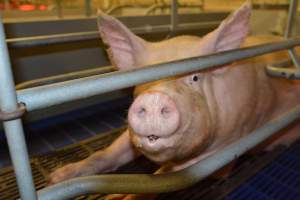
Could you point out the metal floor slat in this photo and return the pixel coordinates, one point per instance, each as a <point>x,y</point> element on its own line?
<point>278,181</point>
<point>75,126</point>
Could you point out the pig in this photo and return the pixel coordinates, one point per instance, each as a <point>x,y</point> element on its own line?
<point>181,120</point>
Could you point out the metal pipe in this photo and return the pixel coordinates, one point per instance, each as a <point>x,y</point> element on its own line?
<point>142,183</point>
<point>116,8</point>
<point>283,72</point>
<point>91,35</point>
<point>88,8</point>
<point>174,15</point>
<point>44,96</point>
<point>294,57</point>
<point>59,8</point>
<point>290,24</point>
<point>292,12</point>
<point>64,77</point>
<point>13,129</point>
<point>34,41</point>
<point>152,8</point>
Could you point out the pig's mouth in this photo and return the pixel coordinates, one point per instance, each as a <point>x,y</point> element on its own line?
<point>152,138</point>
<point>153,143</point>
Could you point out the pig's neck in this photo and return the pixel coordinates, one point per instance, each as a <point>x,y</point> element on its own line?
<point>240,100</point>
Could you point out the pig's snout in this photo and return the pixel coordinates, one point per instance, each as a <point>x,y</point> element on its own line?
<point>153,115</point>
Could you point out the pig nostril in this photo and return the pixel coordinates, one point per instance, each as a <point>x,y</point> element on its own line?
<point>165,111</point>
<point>142,112</point>
<point>152,138</point>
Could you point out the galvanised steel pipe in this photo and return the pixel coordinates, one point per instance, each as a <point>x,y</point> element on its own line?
<point>284,72</point>
<point>291,18</point>
<point>143,183</point>
<point>88,8</point>
<point>44,96</point>
<point>290,24</point>
<point>44,40</point>
<point>14,129</point>
<point>64,77</point>
<point>174,15</point>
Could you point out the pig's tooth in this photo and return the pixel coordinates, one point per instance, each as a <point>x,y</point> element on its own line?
<point>153,138</point>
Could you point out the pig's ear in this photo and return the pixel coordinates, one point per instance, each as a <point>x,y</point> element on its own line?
<point>124,46</point>
<point>231,33</point>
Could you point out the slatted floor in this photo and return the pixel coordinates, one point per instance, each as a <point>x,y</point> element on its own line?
<point>86,131</point>
<point>57,132</point>
<point>280,180</point>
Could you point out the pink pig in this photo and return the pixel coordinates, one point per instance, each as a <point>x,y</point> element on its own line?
<point>179,121</point>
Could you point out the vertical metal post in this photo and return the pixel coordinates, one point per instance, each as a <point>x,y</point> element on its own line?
<point>88,8</point>
<point>14,129</point>
<point>174,15</point>
<point>291,17</point>
<point>59,8</point>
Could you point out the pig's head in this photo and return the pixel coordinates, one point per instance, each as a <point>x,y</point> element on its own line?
<point>174,118</point>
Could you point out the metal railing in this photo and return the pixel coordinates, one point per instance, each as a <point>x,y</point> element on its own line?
<point>49,95</point>
<point>146,183</point>
<point>44,96</point>
<point>45,40</point>
<point>291,73</point>
<point>13,129</point>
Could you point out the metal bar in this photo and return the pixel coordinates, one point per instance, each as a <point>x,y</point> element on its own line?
<point>292,12</point>
<point>152,8</point>
<point>291,21</point>
<point>44,96</point>
<point>91,35</point>
<point>13,129</point>
<point>64,77</point>
<point>283,72</point>
<point>288,73</point>
<point>51,39</point>
<point>88,8</point>
<point>143,183</point>
<point>174,15</point>
<point>294,58</point>
<point>59,8</point>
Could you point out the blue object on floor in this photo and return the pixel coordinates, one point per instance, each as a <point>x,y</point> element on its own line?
<point>278,181</point>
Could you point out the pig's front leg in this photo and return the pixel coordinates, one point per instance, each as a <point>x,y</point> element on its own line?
<point>120,152</point>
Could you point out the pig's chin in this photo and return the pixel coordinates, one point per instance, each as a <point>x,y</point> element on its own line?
<point>160,151</point>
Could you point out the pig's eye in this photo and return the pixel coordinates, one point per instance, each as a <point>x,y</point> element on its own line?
<point>195,78</point>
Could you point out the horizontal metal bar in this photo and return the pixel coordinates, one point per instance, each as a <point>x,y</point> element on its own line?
<point>51,39</point>
<point>64,77</point>
<point>160,5</point>
<point>288,73</point>
<point>44,40</point>
<point>44,96</point>
<point>142,183</point>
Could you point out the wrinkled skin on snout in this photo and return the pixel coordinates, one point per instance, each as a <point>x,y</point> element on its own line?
<point>181,120</point>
